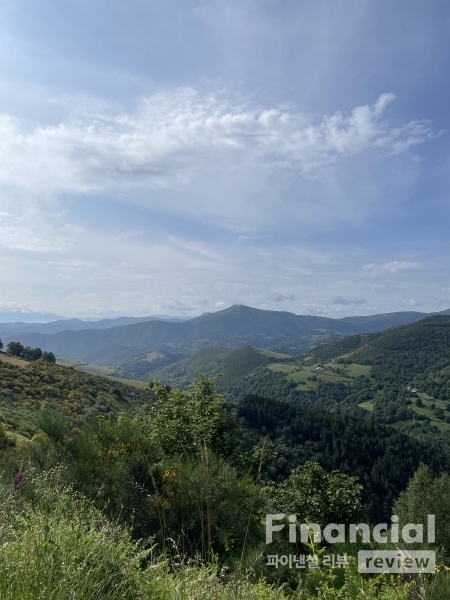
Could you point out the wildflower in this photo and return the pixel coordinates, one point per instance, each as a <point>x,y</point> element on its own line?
<point>18,479</point>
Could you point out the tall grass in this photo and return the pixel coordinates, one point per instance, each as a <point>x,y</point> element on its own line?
<point>55,545</point>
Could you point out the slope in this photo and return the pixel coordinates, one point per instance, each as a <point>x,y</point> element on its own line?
<point>26,389</point>
<point>402,375</point>
<point>229,364</point>
<point>375,323</point>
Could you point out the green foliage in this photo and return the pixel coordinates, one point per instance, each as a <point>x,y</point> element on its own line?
<point>428,494</point>
<point>27,389</point>
<point>207,507</point>
<point>170,477</point>
<point>26,352</point>
<point>320,497</point>
<point>15,349</point>
<point>57,546</point>
<point>186,425</point>
<point>5,441</point>
<point>128,468</point>
<point>54,424</point>
<point>49,357</point>
<point>230,364</point>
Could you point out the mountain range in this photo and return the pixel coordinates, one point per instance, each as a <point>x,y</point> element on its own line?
<point>113,341</point>
<point>9,329</point>
<point>14,315</point>
<point>401,375</point>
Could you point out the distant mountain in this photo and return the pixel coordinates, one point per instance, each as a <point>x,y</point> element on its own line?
<point>13,315</point>
<point>375,323</point>
<point>19,328</point>
<point>384,372</point>
<point>231,328</point>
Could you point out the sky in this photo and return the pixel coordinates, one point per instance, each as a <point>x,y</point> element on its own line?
<point>182,156</point>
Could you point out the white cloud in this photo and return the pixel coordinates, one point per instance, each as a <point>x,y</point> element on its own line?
<point>341,300</point>
<point>390,267</point>
<point>178,132</point>
<point>21,237</point>
<point>14,306</point>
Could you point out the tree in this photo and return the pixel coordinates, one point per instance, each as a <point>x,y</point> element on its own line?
<point>15,349</point>
<point>427,495</point>
<point>27,352</point>
<point>1,345</point>
<point>49,357</point>
<point>320,497</point>
<point>188,425</point>
<point>32,353</point>
<point>438,413</point>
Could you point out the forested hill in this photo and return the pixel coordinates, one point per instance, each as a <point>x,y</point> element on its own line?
<point>402,375</point>
<point>382,457</point>
<point>397,354</point>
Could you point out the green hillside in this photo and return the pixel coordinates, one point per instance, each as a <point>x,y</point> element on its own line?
<point>375,372</point>
<point>230,364</point>
<point>364,371</point>
<point>85,491</point>
<point>28,388</point>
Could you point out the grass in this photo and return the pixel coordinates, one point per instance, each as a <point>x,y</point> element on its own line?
<point>56,545</point>
<point>153,356</point>
<point>271,354</point>
<point>283,368</point>
<point>100,371</point>
<point>142,385</point>
<point>421,410</point>
<point>368,405</point>
<point>302,374</point>
<point>428,412</point>
<point>12,360</point>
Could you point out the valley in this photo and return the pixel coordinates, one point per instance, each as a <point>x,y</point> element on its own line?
<point>138,439</point>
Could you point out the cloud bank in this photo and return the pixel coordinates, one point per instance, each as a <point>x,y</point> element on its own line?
<point>175,133</point>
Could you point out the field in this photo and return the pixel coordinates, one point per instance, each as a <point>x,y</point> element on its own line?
<point>425,410</point>
<point>271,354</point>
<point>99,370</point>
<point>18,362</point>
<point>428,412</point>
<point>309,376</point>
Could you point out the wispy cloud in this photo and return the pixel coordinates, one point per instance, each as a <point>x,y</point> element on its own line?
<point>175,133</point>
<point>17,236</point>
<point>341,300</point>
<point>390,267</point>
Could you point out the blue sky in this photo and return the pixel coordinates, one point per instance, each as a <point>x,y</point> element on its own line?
<point>178,157</point>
